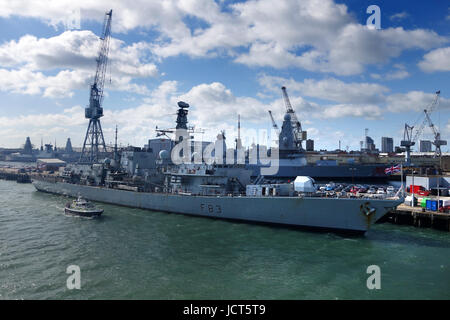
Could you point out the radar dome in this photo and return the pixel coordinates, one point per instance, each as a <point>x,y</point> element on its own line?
<point>287,117</point>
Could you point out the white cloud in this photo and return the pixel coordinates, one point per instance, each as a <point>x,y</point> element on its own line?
<point>309,34</point>
<point>364,100</point>
<point>214,107</point>
<point>75,52</point>
<point>213,103</point>
<point>24,81</point>
<point>369,112</point>
<point>436,60</point>
<point>328,89</point>
<point>399,16</point>
<point>397,75</point>
<point>414,101</point>
<point>398,72</point>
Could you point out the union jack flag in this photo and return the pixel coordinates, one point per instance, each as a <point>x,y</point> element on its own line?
<point>392,169</point>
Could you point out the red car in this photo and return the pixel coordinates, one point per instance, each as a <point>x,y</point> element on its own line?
<point>354,189</point>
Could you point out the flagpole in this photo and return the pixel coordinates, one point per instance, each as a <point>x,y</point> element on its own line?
<point>403,188</point>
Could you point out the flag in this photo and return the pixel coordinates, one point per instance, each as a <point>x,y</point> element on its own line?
<point>392,169</point>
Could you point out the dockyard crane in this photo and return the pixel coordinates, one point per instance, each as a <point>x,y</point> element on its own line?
<point>299,135</point>
<point>437,136</point>
<point>409,140</point>
<point>428,110</point>
<point>274,124</point>
<point>94,134</point>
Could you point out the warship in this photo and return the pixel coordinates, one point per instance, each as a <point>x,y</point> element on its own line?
<point>224,192</point>
<point>292,158</point>
<point>166,176</point>
<point>152,179</point>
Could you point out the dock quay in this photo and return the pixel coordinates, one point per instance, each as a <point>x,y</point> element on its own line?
<point>15,174</point>
<point>418,217</point>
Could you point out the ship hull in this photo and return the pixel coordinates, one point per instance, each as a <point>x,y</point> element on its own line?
<point>348,215</point>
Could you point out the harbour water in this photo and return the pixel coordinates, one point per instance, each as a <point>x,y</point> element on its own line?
<point>138,254</point>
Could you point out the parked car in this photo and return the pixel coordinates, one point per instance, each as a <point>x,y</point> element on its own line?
<point>390,189</point>
<point>330,186</point>
<point>371,190</point>
<point>363,189</point>
<point>348,188</point>
<point>354,189</point>
<point>381,191</point>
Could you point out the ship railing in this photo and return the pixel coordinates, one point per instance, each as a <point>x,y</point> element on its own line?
<point>349,195</point>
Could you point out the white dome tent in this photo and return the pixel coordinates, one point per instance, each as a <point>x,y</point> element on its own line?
<point>304,184</point>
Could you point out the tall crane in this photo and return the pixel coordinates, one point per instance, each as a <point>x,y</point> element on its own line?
<point>437,136</point>
<point>299,135</point>
<point>94,134</point>
<point>409,140</point>
<point>274,124</point>
<point>428,110</point>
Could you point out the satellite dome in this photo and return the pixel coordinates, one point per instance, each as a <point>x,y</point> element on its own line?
<point>107,161</point>
<point>164,155</point>
<point>287,117</point>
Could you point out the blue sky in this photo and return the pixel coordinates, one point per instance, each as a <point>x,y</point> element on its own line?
<point>224,58</point>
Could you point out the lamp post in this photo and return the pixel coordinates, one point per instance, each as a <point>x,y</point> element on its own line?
<point>412,201</point>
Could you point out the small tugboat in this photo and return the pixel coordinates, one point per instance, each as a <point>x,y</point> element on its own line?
<point>82,208</point>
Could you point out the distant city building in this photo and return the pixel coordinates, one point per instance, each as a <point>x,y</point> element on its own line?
<point>309,145</point>
<point>387,145</point>
<point>370,144</point>
<point>425,146</point>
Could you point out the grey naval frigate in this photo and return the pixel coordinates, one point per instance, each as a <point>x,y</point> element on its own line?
<point>149,179</point>
<point>223,192</point>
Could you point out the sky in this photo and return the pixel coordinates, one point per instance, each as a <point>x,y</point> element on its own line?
<point>224,58</point>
